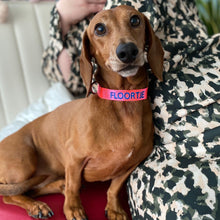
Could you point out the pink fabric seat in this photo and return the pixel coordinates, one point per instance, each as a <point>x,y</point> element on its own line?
<point>93,197</point>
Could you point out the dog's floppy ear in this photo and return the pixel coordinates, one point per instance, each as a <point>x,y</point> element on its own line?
<point>155,51</point>
<point>85,63</point>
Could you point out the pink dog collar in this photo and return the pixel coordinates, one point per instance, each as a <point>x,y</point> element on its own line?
<point>122,95</point>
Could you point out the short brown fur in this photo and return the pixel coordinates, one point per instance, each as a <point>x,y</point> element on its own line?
<point>92,138</point>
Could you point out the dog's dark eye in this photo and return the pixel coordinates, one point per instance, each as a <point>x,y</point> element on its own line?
<point>100,29</point>
<point>135,21</point>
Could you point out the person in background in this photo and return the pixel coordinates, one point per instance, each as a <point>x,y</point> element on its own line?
<point>181,178</point>
<point>61,59</point>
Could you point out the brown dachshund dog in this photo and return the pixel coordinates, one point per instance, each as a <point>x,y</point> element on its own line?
<point>91,138</point>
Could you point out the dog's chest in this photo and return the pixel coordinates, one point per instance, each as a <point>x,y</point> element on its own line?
<point>113,140</point>
<point>107,164</point>
<point>112,155</point>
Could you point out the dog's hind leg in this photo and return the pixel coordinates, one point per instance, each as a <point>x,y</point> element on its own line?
<point>57,186</point>
<point>18,161</point>
<point>35,209</point>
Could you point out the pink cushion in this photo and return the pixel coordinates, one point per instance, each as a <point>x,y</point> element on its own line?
<point>93,197</point>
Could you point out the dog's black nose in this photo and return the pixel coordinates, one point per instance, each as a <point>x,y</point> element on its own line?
<point>127,52</point>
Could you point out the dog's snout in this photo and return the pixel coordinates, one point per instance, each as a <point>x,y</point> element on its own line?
<point>127,52</point>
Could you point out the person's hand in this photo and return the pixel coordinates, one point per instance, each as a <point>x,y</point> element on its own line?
<point>73,11</point>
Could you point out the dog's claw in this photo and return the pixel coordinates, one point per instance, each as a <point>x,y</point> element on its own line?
<point>34,216</point>
<point>50,214</point>
<point>41,216</point>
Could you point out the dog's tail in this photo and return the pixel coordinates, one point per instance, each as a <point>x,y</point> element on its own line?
<point>20,188</point>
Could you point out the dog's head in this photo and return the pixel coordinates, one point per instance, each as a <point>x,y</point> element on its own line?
<point>117,39</point>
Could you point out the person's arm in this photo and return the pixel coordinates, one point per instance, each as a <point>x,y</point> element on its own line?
<point>73,11</point>
<point>61,58</point>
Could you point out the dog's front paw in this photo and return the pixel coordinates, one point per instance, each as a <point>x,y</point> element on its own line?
<point>118,214</point>
<point>75,213</point>
<point>40,210</point>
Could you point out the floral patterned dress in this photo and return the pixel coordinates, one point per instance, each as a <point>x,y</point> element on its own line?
<point>181,178</point>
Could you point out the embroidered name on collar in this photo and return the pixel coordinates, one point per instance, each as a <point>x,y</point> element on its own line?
<point>122,95</point>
